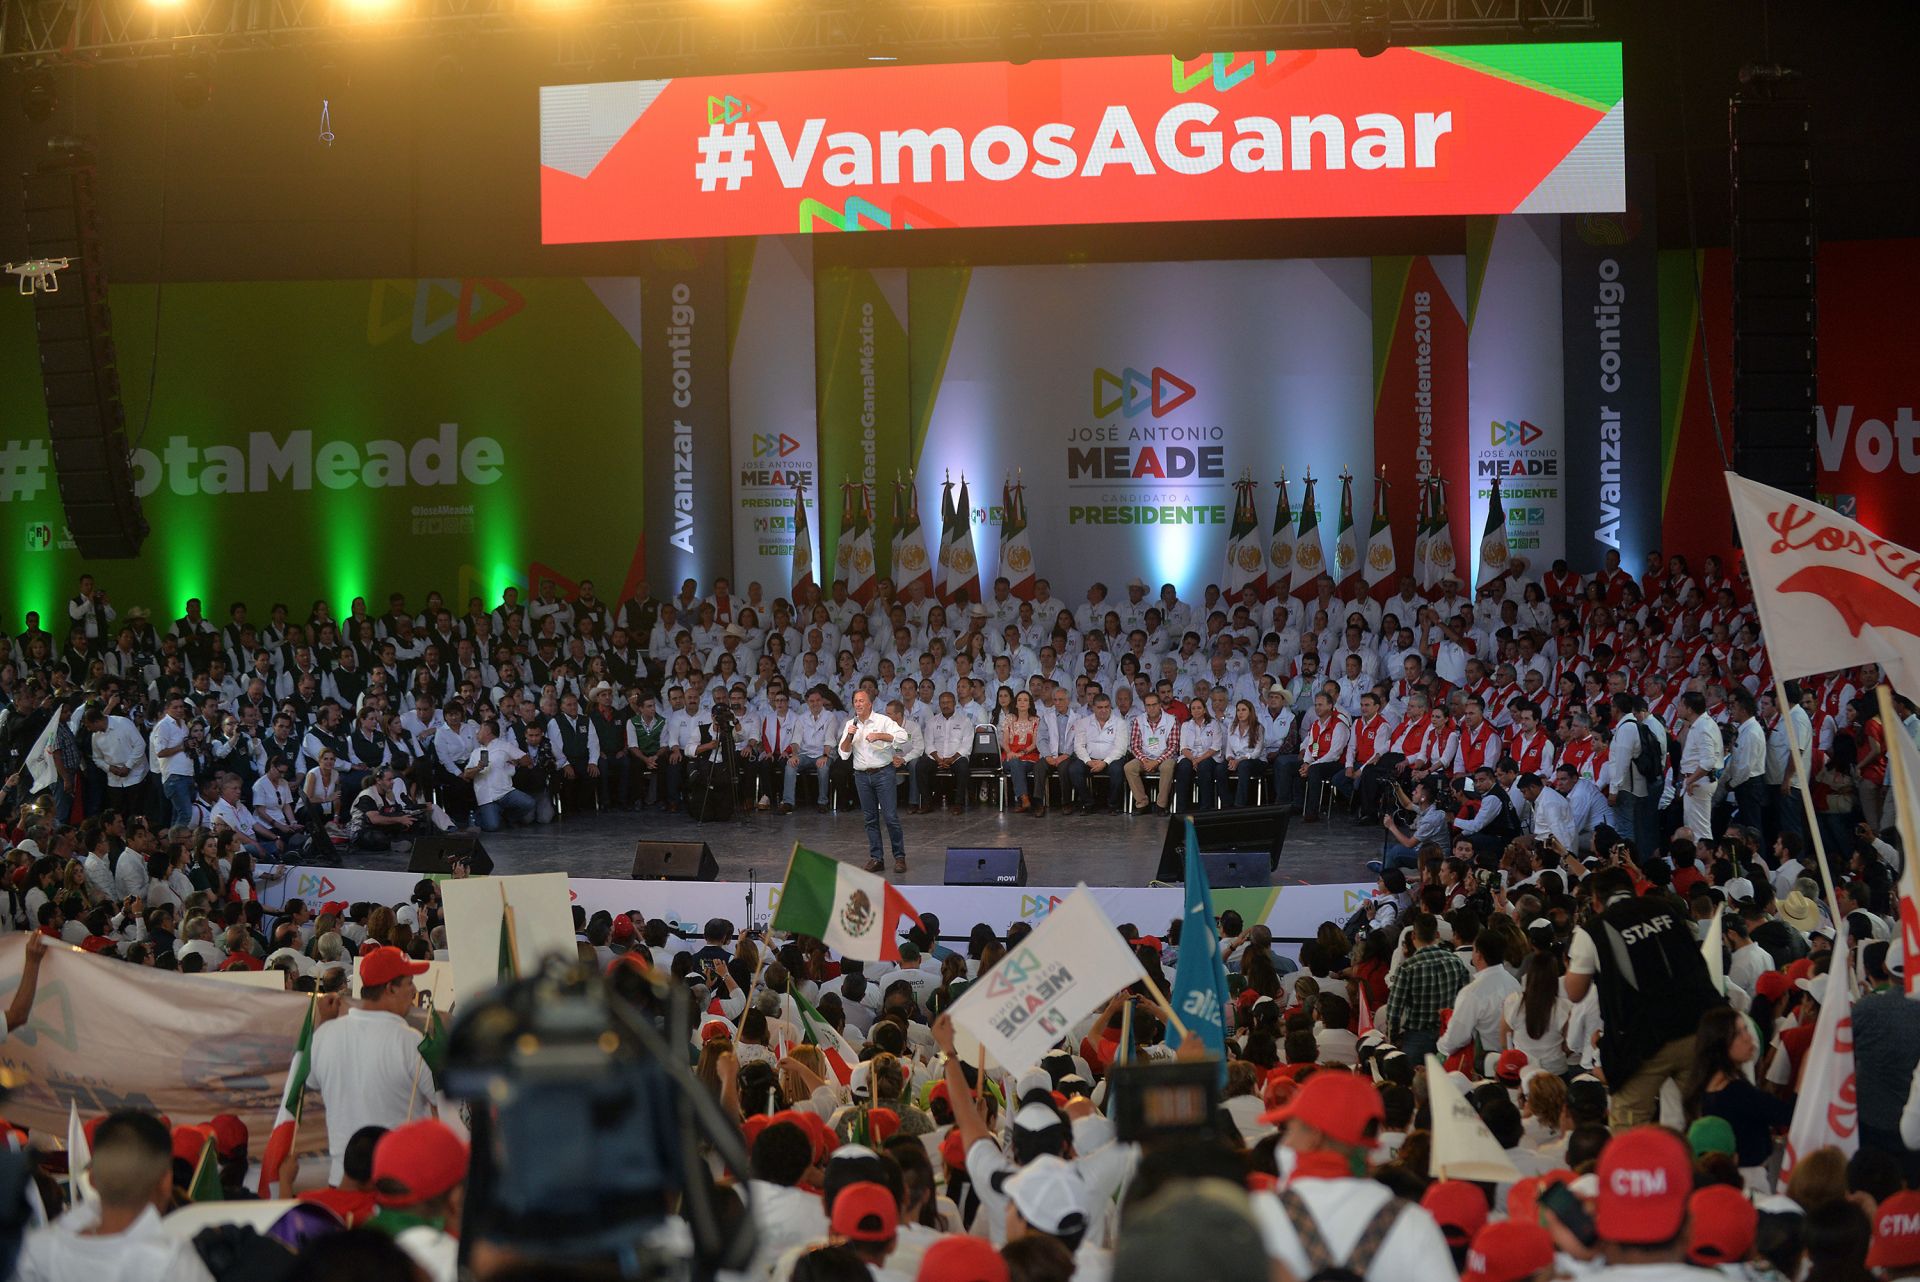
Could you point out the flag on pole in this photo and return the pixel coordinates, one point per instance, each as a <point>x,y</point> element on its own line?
<point>1200,980</point>
<point>963,568</point>
<point>1713,950</point>
<point>909,552</point>
<point>1280,546</point>
<point>1246,559</point>
<point>80,1156</point>
<point>802,569</point>
<point>943,579</point>
<point>861,564</point>
<point>839,1053</point>
<point>1441,562</point>
<point>206,1170</point>
<point>1309,557</point>
<point>1016,549</point>
<point>1463,1147</point>
<point>1493,541</point>
<point>1382,562</point>
<point>1904,775</point>
<point>1346,540</point>
<point>1827,1112</point>
<point>1831,593</point>
<point>854,912</point>
<point>433,1042</point>
<point>843,546</point>
<point>1061,973</point>
<point>292,1099</point>
<point>509,965</point>
<point>1422,533</point>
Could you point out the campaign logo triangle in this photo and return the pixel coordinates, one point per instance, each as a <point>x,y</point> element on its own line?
<point>383,326</point>
<point>1102,380</point>
<point>476,317</point>
<point>1164,404</point>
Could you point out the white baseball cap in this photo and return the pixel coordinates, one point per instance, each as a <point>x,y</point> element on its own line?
<point>1050,1195</point>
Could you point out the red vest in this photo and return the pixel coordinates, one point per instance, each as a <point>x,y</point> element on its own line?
<point>1529,754</point>
<point>1473,747</point>
<point>1364,731</point>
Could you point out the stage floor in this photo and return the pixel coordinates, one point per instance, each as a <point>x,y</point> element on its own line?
<point>1100,850</point>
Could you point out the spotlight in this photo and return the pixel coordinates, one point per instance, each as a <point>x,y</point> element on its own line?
<point>1188,31</point>
<point>193,81</point>
<point>1372,26</point>
<point>1022,34</point>
<point>41,98</point>
<point>883,47</point>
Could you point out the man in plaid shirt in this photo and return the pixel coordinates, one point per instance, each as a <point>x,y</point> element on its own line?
<point>1154,745</point>
<point>1425,984</point>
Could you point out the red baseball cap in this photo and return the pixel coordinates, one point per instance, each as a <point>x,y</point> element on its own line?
<point>866,1212</point>
<point>241,961</point>
<point>97,944</point>
<point>229,1135</point>
<point>1507,1067</point>
<point>190,1141</point>
<point>953,1150</point>
<point>1772,985</point>
<point>1896,1233</point>
<point>623,929</point>
<point>1458,1207</point>
<point>333,906</point>
<point>1340,1105</point>
<point>1508,1252</point>
<point>423,1159</point>
<point>1646,1176</point>
<point>385,964</point>
<point>961,1259</point>
<point>1523,1198</point>
<point>1724,1222</point>
<point>881,1124</point>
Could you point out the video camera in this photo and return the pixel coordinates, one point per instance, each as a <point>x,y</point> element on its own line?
<point>1163,1101</point>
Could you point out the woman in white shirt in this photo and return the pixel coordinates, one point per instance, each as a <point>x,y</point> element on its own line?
<point>1244,761</point>
<point>325,803</point>
<point>1201,746</point>
<point>1534,1019</point>
<point>167,880</point>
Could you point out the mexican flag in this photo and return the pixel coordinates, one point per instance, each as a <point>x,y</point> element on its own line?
<point>802,544</point>
<point>860,581</point>
<point>1309,558</point>
<point>1381,562</point>
<point>856,913</point>
<point>1493,541</point>
<point>1440,559</point>
<point>1246,559</point>
<point>1346,541</point>
<point>1280,546</point>
<point>963,570</point>
<point>909,550</point>
<point>206,1173</point>
<point>843,549</point>
<point>1423,537</point>
<point>839,1052</point>
<point>943,578</point>
<point>1016,550</point>
<point>287,1120</point>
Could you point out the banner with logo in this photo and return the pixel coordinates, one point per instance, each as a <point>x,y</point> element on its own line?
<point>685,385</point>
<point>1420,390</point>
<point>860,318</point>
<point>770,401</point>
<point>343,439</point>
<point>105,1035</point>
<point>1292,912</point>
<point>1133,396</point>
<point>1317,133</point>
<point>1516,399</point>
<point>1610,312</point>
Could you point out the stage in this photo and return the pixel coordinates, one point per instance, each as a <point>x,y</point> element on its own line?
<point>1100,850</point>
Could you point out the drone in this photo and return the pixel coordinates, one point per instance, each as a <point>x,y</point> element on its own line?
<point>39,273</point>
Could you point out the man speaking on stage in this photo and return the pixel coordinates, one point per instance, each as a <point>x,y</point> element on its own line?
<point>868,740</point>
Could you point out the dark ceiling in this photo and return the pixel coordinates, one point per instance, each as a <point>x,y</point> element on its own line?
<point>433,171</point>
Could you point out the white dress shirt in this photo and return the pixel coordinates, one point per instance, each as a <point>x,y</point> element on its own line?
<point>495,779</point>
<point>1094,741</point>
<point>168,733</point>
<point>120,744</point>
<point>1476,1011</point>
<point>1553,817</point>
<point>366,1066</point>
<point>865,753</point>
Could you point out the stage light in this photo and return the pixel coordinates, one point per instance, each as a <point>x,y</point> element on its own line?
<point>1024,20</point>
<point>1188,31</point>
<point>41,98</point>
<point>1372,26</point>
<point>193,81</point>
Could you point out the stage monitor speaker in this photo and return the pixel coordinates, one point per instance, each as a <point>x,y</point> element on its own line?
<point>986,866</point>
<point>674,861</point>
<point>1245,830</point>
<point>436,852</point>
<point>1775,386</point>
<point>1230,868</point>
<point>79,375</point>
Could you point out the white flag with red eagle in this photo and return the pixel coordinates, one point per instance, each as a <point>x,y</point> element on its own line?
<point>1831,593</point>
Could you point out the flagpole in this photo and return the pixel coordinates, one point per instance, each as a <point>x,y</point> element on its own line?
<point>1173,1016</point>
<point>513,934</point>
<point>1806,800</point>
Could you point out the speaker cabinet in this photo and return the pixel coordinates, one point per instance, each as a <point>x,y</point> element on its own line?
<point>674,861</point>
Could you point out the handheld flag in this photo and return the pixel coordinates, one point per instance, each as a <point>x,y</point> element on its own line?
<point>1713,950</point>
<point>1280,546</point>
<point>1831,593</point>
<point>854,912</point>
<point>286,1122</point>
<point>839,1053</point>
<point>1904,775</point>
<point>802,569</point>
<point>1200,980</point>
<point>1381,559</point>
<point>1346,540</point>
<point>79,1156</point>
<point>1423,536</point>
<point>206,1172</point>
<point>1463,1147</point>
<point>1309,558</point>
<point>1827,1114</point>
<point>1493,560</point>
<point>1016,548</point>
<point>433,1042</point>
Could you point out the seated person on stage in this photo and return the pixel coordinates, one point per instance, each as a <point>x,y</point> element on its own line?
<point>1099,749</point>
<point>949,747</point>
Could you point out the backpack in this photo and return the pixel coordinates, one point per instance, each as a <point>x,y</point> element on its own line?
<point>1320,1259</point>
<point>1650,762</point>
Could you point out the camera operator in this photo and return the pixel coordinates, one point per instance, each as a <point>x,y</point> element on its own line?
<point>536,776</point>
<point>1407,832</point>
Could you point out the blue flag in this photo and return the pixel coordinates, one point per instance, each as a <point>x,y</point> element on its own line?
<point>1200,980</point>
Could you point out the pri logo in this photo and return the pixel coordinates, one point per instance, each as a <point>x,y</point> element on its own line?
<point>39,536</point>
<point>1134,393</point>
<point>1511,433</point>
<point>771,444</point>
